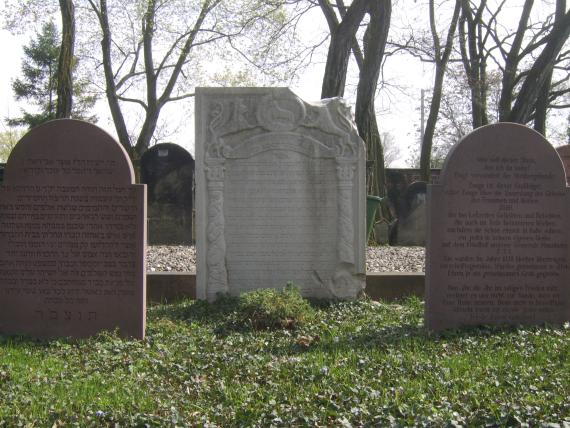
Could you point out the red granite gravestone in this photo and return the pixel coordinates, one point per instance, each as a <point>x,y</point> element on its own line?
<point>564,153</point>
<point>72,236</point>
<point>497,250</point>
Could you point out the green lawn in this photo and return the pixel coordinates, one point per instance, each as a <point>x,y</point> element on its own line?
<point>360,363</point>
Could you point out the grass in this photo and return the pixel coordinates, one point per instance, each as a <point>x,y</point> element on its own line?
<point>359,363</point>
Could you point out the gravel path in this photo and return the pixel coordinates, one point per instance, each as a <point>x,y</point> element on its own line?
<point>163,258</point>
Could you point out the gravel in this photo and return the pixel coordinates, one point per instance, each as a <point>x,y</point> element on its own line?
<point>178,258</point>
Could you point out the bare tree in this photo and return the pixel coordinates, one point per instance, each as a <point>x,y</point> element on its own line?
<point>155,51</point>
<point>441,58</point>
<point>539,75</point>
<point>344,23</point>
<point>472,38</point>
<point>526,56</point>
<point>66,60</point>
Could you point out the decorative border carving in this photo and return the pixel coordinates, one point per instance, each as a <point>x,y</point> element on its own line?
<point>282,115</point>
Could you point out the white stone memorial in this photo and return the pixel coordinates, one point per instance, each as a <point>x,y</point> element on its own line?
<point>280,194</point>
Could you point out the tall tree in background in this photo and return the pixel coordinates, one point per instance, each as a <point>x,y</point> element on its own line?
<point>472,39</point>
<point>441,58</point>
<point>344,22</point>
<point>526,57</point>
<point>540,73</point>
<point>39,83</point>
<point>66,60</point>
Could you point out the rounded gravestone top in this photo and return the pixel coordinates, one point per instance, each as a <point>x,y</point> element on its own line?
<point>564,153</point>
<point>68,151</point>
<point>162,158</point>
<point>495,143</point>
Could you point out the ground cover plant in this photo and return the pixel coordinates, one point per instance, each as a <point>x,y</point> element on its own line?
<point>358,363</point>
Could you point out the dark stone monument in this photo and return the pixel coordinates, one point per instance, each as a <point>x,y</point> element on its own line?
<point>406,201</point>
<point>411,228</point>
<point>168,171</point>
<point>72,236</point>
<point>497,250</point>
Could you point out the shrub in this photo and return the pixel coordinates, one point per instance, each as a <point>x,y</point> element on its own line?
<point>273,309</point>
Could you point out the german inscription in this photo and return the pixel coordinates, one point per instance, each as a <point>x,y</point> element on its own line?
<point>498,248</point>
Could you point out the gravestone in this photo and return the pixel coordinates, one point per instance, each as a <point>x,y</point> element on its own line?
<point>498,235</point>
<point>280,194</point>
<point>411,228</point>
<point>564,153</point>
<point>72,235</point>
<point>168,171</point>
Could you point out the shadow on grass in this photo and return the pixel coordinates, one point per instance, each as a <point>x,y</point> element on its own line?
<point>224,318</point>
<point>24,341</point>
<point>195,310</point>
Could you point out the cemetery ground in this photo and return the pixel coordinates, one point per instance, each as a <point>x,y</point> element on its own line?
<point>243,362</point>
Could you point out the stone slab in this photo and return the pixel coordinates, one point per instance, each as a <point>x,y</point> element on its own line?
<point>497,250</point>
<point>168,171</point>
<point>168,287</point>
<point>72,236</point>
<point>280,194</point>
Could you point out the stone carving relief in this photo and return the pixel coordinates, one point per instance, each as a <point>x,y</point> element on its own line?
<point>245,127</point>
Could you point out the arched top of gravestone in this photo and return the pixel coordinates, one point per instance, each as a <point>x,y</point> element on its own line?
<point>168,150</point>
<point>163,158</point>
<point>67,151</point>
<point>564,153</point>
<point>503,142</point>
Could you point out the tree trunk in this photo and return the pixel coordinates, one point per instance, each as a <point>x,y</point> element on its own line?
<point>473,59</point>
<point>441,60</point>
<point>342,36</point>
<point>543,100</point>
<point>66,58</point>
<point>375,39</point>
<point>512,64</point>
<point>110,87</point>
<point>541,106</point>
<point>539,73</point>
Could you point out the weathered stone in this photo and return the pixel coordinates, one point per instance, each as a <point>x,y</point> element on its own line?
<point>498,232</point>
<point>411,228</point>
<point>72,235</point>
<point>168,171</point>
<point>280,194</point>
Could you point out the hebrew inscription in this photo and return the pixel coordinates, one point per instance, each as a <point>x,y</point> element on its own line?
<point>498,251</point>
<point>281,190</point>
<point>70,242</point>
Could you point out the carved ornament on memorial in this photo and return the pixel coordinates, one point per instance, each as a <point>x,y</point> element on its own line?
<point>72,235</point>
<point>498,232</point>
<point>280,194</point>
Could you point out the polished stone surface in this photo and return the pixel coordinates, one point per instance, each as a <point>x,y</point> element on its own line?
<point>72,236</point>
<point>498,235</point>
